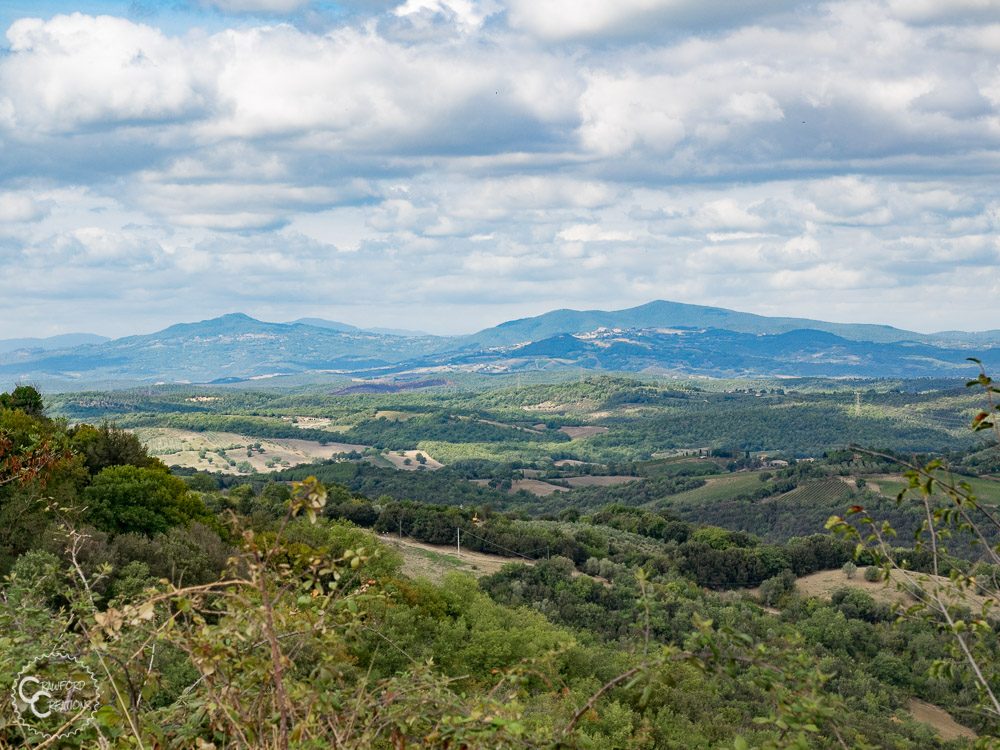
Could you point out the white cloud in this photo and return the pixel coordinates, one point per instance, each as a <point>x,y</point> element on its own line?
<point>570,19</point>
<point>80,70</point>
<point>18,207</point>
<point>953,11</point>
<point>593,233</point>
<point>406,157</point>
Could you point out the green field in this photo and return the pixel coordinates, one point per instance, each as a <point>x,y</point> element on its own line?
<point>986,489</point>
<point>719,487</point>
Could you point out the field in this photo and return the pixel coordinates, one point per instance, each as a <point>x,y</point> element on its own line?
<point>315,423</point>
<point>719,487</point>
<point>536,487</point>
<point>818,492</point>
<point>890,485</point>
<point>224,452</point>
<point>410,460</point>
<point>433,561</point>
<point>595,480</point>
<point>822,585</point>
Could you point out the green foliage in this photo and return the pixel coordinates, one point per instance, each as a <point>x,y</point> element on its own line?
<point>108,445</point>
<point>23,398</point>
<point>123,499</point>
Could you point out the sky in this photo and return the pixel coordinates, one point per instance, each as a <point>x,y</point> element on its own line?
<point>445,165</point>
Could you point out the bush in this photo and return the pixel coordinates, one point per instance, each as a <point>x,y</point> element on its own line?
<point>873,574</point>
<point>774,589</point>
<point>850,569</point>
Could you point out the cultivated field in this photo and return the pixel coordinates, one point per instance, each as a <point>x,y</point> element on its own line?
<point>987,489</point>
<point>225,452</point>
<point>720,487</point>
<point>599,480</point>
<point>536,487</point>
<point>408,461</point>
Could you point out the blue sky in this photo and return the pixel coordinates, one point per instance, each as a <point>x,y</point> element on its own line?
<point>448,164</point>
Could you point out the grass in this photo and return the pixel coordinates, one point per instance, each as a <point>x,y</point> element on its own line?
<point>986,490</point>
<point>822,492</point>
<point>720,487</point>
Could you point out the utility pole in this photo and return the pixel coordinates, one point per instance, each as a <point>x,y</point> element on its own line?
<point>459,546</point>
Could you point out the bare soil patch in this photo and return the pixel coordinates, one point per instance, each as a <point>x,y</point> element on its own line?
<point>822,585</point>
<point>399,458</point>
<point>224,449</point>
<point>946,727</point>
<point>315,423</point>
<point>536,487</point>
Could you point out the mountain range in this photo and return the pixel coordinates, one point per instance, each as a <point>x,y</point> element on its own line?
<point>658,337</point>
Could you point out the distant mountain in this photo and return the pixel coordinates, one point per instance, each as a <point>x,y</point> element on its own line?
<point>62,341</point>
<point>720,353</point>
<point>346,327</point>
<point>662,314</point>
<point>229,348</point>
<point>333,325</point>
<point>661,337</point>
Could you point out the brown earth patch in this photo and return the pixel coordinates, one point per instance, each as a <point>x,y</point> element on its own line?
<point>536,487</point>
<point>942,722</point>
<point>398,459</point>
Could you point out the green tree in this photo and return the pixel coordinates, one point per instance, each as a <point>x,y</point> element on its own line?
<point>24,398</point>
<point>145,501</point>
<point>108,445</point>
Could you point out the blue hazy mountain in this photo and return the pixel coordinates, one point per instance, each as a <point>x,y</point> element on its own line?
<point>347,327</point>
<point>721,353</point>
<point>661,337</point>
<point>62,341</point>
<point>663,314</point>
<point>231,347</point>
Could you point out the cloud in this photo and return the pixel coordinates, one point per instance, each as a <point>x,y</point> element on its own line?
<point>19,207</point>
<point>407,155</point>
<point>79,70</point>
<point>575,19</point>
<point>954,11</point>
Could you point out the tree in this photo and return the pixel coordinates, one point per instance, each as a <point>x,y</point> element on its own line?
<point>145,501</point>
<point>108,445</point>
<point>24,398</point>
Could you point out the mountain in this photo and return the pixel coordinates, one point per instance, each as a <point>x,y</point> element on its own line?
<point>62,341</point>
<point>661,337</point>
<point>662,314</point>
<point>721,353</point>
<point>231,347</point>
<point>347,327</point>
